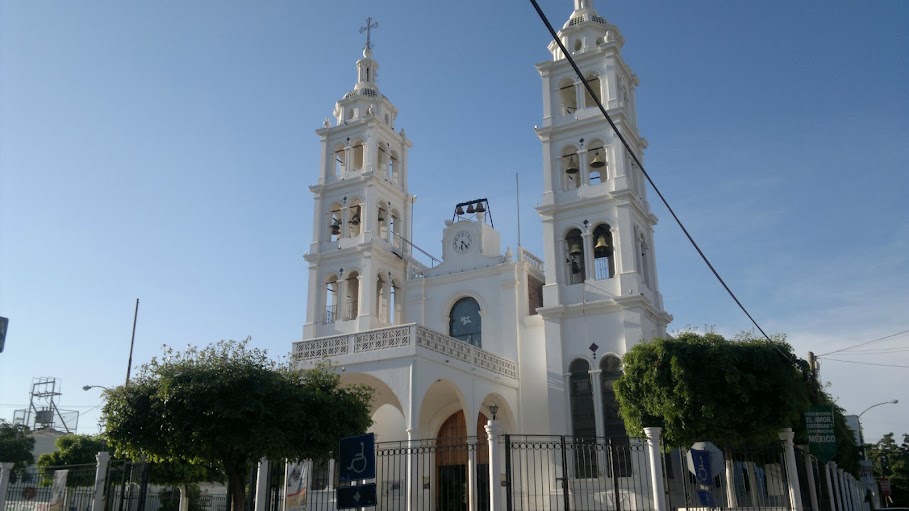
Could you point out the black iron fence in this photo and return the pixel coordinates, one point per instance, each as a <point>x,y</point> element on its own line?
<point>570,473</point>
<point>756,479</point>
<point>33,489</point>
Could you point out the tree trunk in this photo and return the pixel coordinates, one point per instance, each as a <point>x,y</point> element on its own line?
<point>237,485</point>
<point>184,497</point>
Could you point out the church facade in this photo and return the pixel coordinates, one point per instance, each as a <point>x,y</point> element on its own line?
<point>536,338</point>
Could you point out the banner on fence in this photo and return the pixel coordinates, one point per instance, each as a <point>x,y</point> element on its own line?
<point>58,491</point>
<point>296,477</point>
<point>821,435</point>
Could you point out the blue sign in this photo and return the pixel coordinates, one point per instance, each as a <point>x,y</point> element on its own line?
<point>707,499</point>
<point>701,461</point>
<point>357,457</point>
<point>356,496</point>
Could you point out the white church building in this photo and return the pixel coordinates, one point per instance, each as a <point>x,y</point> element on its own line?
<point>538,337</point>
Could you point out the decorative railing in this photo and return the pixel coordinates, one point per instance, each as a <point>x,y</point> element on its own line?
<point>531,259</point>
<point>402,336</point>
<point>331,314</point>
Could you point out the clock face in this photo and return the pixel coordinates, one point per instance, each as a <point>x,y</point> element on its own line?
<point>462,241</point>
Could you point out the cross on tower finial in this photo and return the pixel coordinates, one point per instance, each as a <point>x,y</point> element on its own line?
<point>370,24</point>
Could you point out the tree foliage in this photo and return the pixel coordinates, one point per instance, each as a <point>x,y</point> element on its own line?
<point>228,405</point>
<point>891,460</point>
<point>73,450</point>
<point>705,387</point>
<point>16,445</point>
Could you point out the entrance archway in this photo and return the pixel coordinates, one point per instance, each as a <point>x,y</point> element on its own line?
<point>454,452</point>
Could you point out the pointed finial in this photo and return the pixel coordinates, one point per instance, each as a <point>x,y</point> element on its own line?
<point>370,24</point>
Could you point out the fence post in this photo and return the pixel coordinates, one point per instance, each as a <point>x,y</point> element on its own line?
<point>5,469</point>
<point>262,485</point>
<point>795,492</point>
<point>494,432</point>
<point>656,468</point>
<point>103,459</point>
<point>836,487</point>
<point>812,486</point>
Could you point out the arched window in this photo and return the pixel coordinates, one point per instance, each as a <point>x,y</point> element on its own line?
<point>357,154</point>
<point>355,221</point>
<point>332,288</point>
<point>594,82</point>
<point>613,425</point>
<point>339,156</point>
<point>583,420</point>
<point>597,163</point>
<point>603,252</point>
<point>334,222</point>
<point>574,258</point>
<point>464,323</point>
<point>568,98</point>
<point>571,170</point>
<point>352,294</point>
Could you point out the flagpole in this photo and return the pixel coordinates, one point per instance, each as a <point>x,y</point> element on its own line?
<point>132,342</point>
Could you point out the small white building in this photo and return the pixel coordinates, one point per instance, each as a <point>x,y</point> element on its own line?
<point>540,337</point>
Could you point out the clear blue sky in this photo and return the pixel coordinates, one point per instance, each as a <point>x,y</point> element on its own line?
<point>163,151</point>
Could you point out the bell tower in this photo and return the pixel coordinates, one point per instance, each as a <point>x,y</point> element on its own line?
<point>357,256</point>
<point>601,281</point>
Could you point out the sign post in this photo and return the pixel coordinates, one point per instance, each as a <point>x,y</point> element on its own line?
<point>357,460</point>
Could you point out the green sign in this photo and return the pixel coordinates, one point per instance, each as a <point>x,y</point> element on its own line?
<point>821,435</point>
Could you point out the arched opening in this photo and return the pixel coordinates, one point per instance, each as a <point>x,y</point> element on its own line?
<point>351,295</point>
<point>355,220</point>
<point>339,157</point>
<point>330,299</point>
<point>357,155</point>
<point>597,162</point>
<point>383,219</point>
<point>613,425</point>
<point>583,419</point>
<point>382,157</point>
<point>603,252</point>
<point>334,222</point>
<point>571,170</point>
<point>395,228</point>
<point>464,322</point>
<point>381,298</point>
<point>568,97</point>
<point>393,166</point>
<point>397,303</point>
<point>578,44</point>
<point>594,82</point>
<point>574,257</point>
<point>453,450</point>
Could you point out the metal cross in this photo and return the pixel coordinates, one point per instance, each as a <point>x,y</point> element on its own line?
<point>370,24</point>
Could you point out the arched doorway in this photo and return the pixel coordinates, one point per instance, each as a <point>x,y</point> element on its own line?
<point>453,451</point>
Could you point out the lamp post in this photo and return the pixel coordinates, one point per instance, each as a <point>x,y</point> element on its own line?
<point>89,387</point>
<point>862,430</point>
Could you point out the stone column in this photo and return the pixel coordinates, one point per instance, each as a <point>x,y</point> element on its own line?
<point>103,459</point>
<point>795,493</point>
<point>835,489</point>
<point>472,447</point>
<point>262,486</point>
<point>732,499</point>
<point>5,469</point>
<point>830,487</point>
<point>656,468</point>
<point>493,432</point>
<point>414,484</point>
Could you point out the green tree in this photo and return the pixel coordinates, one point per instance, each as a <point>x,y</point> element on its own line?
<point>16,445</point>
<point>891,460</point>
<point>229,406</point>
<point>74,450</point>
<point>705,387</point>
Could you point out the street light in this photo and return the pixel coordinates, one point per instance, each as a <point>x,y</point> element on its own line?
<point>89,387</point>
<point>895,401</point>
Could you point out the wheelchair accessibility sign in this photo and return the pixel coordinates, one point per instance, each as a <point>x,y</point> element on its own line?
<point>357,457</point>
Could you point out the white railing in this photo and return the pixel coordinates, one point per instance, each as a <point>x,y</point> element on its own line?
<point>531,259</point>
<point>402,336</point>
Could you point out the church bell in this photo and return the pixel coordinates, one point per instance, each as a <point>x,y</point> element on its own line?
<point>601,243</point>
<point>575,249</point>
<point>598,161</point>
<point>572,167</point>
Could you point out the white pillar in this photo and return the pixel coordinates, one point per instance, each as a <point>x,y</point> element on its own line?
<point>812,486</point>
<point>656,468</point>
<point>493,432</point>
<point>103,459</point>
<point>795,493</point>
<point>835,489</point>
<point>830,487</point>
<point>732,500</point>
<point>5,468</point>
<point>262,485</point>
<point>414,479</point>
<point>472,473</point>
